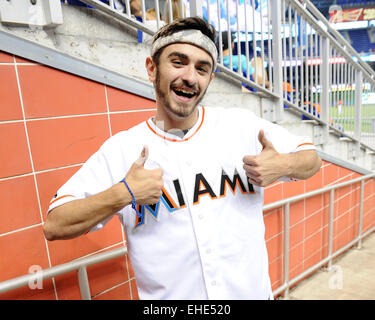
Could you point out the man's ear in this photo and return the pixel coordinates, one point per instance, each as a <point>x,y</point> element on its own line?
<point>151,69</point>
<point>212,76</point>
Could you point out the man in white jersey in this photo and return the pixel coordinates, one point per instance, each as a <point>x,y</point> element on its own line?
<point>187,185</point>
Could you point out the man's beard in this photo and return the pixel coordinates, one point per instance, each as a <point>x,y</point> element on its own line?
<point>183,110</point>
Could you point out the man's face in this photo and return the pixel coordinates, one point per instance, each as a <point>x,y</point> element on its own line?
<point>182,78</point>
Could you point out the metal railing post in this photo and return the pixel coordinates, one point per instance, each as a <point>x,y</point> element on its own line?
<point>358,109</point>
<point>277,58</point>
<point>286,249</point>
<point>79,264</point>
<point>361,215</point>
<point>325,82</point>
<point>83,281</point>
<point>330,228</point>
<point>196,8</point>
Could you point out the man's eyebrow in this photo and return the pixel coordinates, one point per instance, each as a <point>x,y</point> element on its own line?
<point>184,56</point>
<point>178,54</point>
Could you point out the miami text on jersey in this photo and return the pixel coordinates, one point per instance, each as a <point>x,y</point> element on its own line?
<point>201,188</point>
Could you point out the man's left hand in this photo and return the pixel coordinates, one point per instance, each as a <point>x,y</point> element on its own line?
<point>266,167</point>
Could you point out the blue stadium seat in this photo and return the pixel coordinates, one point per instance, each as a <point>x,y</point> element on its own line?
<point>79,3</point>
<point>360,40</point>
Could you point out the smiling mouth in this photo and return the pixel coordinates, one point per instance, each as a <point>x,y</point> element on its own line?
<point>184,93</point>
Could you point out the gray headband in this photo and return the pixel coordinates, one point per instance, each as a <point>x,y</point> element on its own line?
<point>191,36</point>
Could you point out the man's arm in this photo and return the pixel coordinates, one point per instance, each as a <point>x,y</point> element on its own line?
<point>268,166</point>
<point>77,217</point>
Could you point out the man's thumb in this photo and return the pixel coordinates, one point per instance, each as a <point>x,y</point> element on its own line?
<point>263,140</point>
<point>142,157</point>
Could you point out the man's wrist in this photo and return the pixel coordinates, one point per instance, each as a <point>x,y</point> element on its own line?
<point>121,195</point>
<point>134,202</point>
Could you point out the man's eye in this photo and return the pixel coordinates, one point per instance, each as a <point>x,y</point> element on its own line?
<point>201,69</point>
<point>178,62</point>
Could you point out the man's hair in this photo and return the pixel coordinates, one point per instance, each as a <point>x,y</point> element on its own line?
<point>177,25</point>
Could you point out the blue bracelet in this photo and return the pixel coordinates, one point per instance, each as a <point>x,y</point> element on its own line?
<point>134,203</point>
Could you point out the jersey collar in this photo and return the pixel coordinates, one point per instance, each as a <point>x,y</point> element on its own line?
<point>171,137</point>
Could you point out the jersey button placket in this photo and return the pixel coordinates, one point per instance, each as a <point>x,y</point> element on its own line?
<point>206,251</point>
<point>198,218</point>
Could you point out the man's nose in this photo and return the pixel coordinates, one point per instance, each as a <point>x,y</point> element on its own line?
<point>189,76</point>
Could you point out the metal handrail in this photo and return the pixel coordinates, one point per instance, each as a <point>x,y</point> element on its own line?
<point>339,37</point>
<point>280,203</point>
<point>315,18</point>
<point>331,255</point>
<point>334,40</point>
<point>81,264</point>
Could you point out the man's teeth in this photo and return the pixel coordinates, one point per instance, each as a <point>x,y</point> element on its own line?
<point>184,93</point>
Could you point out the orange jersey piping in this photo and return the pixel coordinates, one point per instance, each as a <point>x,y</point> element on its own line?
<point>175,140</point>
<point>303,144</point>
<point>68,195</point>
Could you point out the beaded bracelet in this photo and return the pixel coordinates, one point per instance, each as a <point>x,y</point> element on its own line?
<point>134,203</point>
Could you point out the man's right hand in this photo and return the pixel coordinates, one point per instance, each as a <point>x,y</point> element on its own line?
<point>76,217</point>
<point>145,184</point>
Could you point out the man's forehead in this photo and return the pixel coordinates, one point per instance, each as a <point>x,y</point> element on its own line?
<point>190,50</point>
<point>189,36</point>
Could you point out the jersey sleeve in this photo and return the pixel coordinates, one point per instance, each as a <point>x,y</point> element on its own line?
<point>95,176</point>
<point>283,140</point>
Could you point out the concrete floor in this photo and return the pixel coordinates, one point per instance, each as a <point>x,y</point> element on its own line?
<point>352,277</point>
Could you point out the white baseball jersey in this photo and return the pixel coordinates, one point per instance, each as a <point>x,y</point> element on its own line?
<point>204,239</point>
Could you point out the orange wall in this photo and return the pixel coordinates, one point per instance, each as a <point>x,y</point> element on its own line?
<point>52,121</point>
<point>309,219</point>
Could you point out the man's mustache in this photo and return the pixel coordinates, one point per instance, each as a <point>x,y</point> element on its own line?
<point>185,86</point>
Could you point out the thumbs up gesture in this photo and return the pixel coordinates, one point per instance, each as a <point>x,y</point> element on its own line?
<point>266,167</point>
<point>145,184</point>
